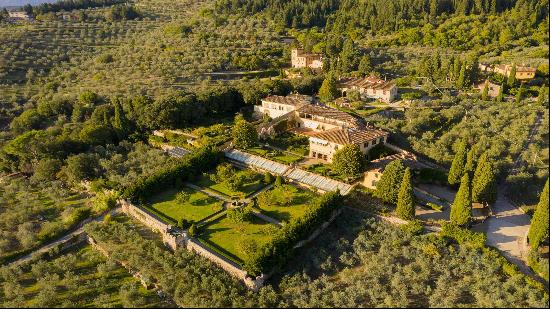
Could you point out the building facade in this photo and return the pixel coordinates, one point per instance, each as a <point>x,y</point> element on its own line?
<point>301,59</point>
<point>370,87</point>
<point>523,73</point>
<point>328,129</point>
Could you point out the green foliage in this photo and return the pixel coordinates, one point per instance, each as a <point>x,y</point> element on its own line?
<point>414,227</point>
<point>512,77</point>
<point>405,199</point>
<point>81,167</point>
<point>28,120</point>
<point>461,210</point>
<point>470,161</point>
<point>182,197</point>
<point>46,170</point>
<point>268,178</point>
<point>193,230</point>
<point>329,89</point>
<point>520,94</point>
<point>277,251</point>
<point>279,181</point>
<point>240,215</point>
<point>538,232</point>
<point>484,183</point>
<point>244,134</point>
<point>463,236</point>
<point>458,165</point>
<point>387,188</point>
<point>348,161</point>
<point>190,166</point>
<point>485,92</point>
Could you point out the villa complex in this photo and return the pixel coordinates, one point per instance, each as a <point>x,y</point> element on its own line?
<point>370,87</point>
<point>301,59</point>
<point>328,129</point>
<point>522,72</point>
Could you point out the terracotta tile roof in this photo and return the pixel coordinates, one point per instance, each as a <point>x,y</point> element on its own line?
<point>350,136</point>
<point>371,82</point>
<point>293,100</point>
<point>331,114</point>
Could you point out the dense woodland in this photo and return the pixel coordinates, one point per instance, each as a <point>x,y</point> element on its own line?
<point>79,98</point>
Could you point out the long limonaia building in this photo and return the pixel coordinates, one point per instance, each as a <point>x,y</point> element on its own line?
<point>327,128</point>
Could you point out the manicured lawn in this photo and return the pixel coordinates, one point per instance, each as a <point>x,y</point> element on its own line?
<point>252,184</point>
<point>279,156</point>
<point>284,213</point>
<point>226,237</point>
<point>198,207</point>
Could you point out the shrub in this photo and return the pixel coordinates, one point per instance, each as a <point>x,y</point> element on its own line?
<point>193,230</point>
<point>434,206</point>
<point>414,227</point>
<point>463,236</point>
<point>268,178</point>
<point>240,215</point>
<point>183,197</point>
<point>279,181</point>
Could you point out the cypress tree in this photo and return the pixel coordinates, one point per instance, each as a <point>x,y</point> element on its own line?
<point>470,161</point>
<point>538,231</point>
<point>485,93</point>
<point>512,77</point>
<point>543,95</point>
<point>405,201</point>
<point>120,123</point>
<point>484,187</point>
<point>500,95</point>
<point>461,82</point>
<point>461,210</point>
<point>387,188</point>
<point>520,94</point>
<point>457,167</point>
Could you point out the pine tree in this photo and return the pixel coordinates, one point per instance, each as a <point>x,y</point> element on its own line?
<point>512,77</point>
<point>470,161</point>
<point>405,200</point>
<point>484,186</point>
<point>538,232</point>
<point>365,65</point>
<point>387,188</point>
<point>461,210</point>
<point>458,165</point>
<point>485,93</point>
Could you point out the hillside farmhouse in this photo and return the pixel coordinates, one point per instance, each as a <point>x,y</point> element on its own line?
<point>301,59</point>
<point>523,73</point>
<point>328,129</point>
<point>18,15</point>
<point>370,87</point>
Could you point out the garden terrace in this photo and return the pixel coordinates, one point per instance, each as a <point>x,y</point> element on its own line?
<point>285,203</point>
<point>236,240</point>
<point>275,155</point>
<point>252,182</point>
<point>194,206</point>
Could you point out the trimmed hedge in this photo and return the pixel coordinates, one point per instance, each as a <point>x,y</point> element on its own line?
<point>191,165</point>
<point>276,252</point>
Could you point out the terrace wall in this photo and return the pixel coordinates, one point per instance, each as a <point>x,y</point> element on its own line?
<point>184,241</point>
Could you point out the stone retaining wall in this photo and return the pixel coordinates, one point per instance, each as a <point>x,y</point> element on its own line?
<point>183,241</point>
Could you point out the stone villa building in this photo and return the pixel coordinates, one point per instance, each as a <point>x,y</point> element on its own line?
<point>370,87</point>
<point>301,59</point>
<point>328,129</point>
<point>523,73</point>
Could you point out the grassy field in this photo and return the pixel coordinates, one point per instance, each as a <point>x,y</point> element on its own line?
<point>83,278</point>
<point>198,207</point>
<point>252,184</point>
<point>279,156</point>
<point>228,238</point>
<point>300,199</point>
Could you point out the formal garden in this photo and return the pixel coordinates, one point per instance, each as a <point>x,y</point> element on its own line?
<point>185,205</point>
<point>231,182</point>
